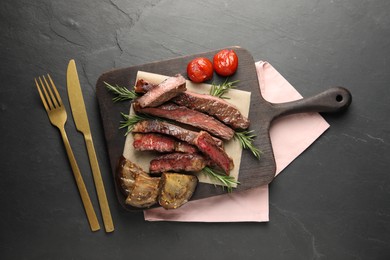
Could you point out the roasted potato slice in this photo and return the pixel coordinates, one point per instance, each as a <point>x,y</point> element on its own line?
<point>126,173</point>
<point>145,191</point>
<point>176,189</point>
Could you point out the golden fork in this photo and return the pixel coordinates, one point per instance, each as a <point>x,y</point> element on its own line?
<point>57,114</point>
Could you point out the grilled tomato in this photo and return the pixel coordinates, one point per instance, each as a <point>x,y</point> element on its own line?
<point>225,62</point>
<point>200,69</point>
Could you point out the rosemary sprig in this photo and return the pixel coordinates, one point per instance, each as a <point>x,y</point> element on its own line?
<point>122,93</point>
<point>219,90</point>
<point>246,140</point>
<point>131,120</point>
<point>227,181</point>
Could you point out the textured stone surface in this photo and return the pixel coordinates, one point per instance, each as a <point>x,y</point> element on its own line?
<point>333,203</point>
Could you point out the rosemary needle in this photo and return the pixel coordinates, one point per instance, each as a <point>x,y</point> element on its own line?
<point>131,120</point>
<point>122,93</point>
<point>227,181</point>
<point>219,90</point>
<point>246,140</point>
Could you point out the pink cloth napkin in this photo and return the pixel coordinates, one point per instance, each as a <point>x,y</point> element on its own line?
<point>290,136</point>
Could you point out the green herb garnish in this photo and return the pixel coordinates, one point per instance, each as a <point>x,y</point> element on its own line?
<point>225,180</point>
<point>122,93</point>
<point>131,120</point>
<point>246,140</point>
<point>219,90</point>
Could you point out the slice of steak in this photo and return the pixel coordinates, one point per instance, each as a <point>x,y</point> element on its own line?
<point>142,86</point>
<point>213,106</point>
<point>188,116</point>
<point>162,127</point>
<point>207,145</point>
<point>177,162</point>
<point>163,92</point>
<point>160,143</point>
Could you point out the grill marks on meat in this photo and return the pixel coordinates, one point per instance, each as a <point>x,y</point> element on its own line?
<point>206,144</point>
<point>213,106</point>
<point>160,143</point>
<point>188,116</point>
<point>156,126</point>
<point>162,127</point>
<point>163,92</point>
<point>177,162</point>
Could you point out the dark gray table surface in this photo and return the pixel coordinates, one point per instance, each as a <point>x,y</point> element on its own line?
<point>332,202</point>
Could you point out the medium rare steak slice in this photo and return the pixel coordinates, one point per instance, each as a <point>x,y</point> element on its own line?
<point>213,106</point>
<point>188,116</point>
<point>163,92</point>
<point>160,143</point>
<point>177,162</point>
<point>207,145</point>
<point>162,127</point>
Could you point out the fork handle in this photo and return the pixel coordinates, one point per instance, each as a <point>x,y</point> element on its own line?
<point>89,210</point>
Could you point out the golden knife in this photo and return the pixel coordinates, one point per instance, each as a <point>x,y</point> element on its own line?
<point>81,121</point>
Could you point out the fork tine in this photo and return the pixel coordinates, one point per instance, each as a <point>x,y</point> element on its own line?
<point>41,95</point>
<point>53,98</point>
<point>55,91</point>
<point>47,95</point>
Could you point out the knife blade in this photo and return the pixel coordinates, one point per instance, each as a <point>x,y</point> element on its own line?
<point>80,117</point>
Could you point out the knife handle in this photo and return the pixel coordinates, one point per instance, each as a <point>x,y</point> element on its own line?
<point>89,210</point>
<point>97,177</point>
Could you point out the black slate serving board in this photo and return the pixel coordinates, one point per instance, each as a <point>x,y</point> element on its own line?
<point>253,172</point>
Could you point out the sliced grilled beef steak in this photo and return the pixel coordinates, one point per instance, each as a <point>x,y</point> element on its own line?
<point>163,92</point>
<point>177,162</point>
<point>188,116</point>
<point>208,104</point>
<point>160,143</point>
<point>162,127</point>
<point>207,145</point>
<point>213,106</point>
